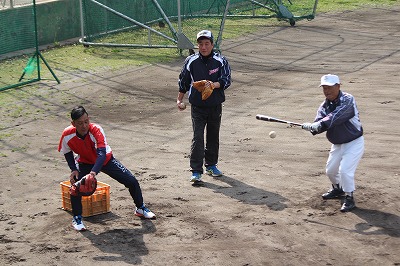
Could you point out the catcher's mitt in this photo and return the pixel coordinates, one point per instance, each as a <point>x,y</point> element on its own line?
<point>84,187</point>
<point>206,88</point>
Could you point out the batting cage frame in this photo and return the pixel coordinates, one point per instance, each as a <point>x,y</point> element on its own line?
<point>26,35</point>
<point>160,22</point>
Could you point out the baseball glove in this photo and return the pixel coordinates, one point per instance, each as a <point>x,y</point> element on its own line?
<point>84,187</point>
<point>206,88</point>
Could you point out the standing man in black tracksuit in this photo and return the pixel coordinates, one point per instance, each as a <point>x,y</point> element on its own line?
<point>206,114</point>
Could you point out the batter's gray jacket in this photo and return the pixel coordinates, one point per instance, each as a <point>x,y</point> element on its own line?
<point>340,119</point>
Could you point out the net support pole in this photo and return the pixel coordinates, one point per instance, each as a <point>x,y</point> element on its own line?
<point>81,18</point>
<point>132,20</point>
<point>179,17</point>
<point>159,8</point>
<point>315,8</point>
<point>37,54</point>
<point>219,39</point>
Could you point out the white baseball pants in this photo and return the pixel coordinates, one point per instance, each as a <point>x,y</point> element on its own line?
<point>343,161</point>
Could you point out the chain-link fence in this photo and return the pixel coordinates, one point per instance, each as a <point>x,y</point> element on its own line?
<point>126,23</point>
<point>173,23</point>
<point>18,27</point>
<point>17,3</point>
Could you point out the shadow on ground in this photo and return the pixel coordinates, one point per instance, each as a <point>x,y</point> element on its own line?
<point>247,194</point>
<point>125,245</point>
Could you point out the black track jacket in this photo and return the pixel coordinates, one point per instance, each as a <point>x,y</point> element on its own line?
<point>197,67</point>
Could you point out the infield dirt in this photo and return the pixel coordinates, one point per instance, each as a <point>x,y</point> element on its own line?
<point>267,208</point>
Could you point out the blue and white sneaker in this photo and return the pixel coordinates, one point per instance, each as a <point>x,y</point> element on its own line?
<point>196,177</point>
<point>78,224</point>
<point>213,171</point>
<point>144,212</point>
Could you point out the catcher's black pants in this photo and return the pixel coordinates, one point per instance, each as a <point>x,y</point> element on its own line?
<point>117,171</point>
<point>208,118</point>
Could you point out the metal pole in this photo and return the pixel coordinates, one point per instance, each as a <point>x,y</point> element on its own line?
<point>164,16</point>
<point>36,39</point>
<point>132,20</point>
<point>315,8</point>
<point>38,54</point>
<point>81,17</point>
<point>179,17</point>
<point>149,37</point>
<point>219,40</point>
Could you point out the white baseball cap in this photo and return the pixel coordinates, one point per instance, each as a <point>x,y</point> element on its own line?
<point>329,80</point>
<point>206,34</point>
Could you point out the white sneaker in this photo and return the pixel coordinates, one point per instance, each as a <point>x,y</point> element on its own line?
<point>145,212</point>
<point>78,224</point>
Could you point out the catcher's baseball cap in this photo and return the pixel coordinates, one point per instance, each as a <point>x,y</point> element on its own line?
<point>329,80</point>
<point>205,34</point>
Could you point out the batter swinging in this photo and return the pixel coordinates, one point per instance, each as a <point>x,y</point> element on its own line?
<point>338,116</point>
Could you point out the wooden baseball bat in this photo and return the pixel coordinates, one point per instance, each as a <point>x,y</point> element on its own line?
<point>273,119</point>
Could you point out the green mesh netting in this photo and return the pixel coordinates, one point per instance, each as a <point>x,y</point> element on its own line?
<point>160,23</point>
<point>19,54</point>
<point>17,27</point>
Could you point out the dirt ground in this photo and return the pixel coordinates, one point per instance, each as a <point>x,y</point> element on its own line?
<point>267,208</point>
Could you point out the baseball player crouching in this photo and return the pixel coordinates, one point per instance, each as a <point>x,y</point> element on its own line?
<point>93,154</point>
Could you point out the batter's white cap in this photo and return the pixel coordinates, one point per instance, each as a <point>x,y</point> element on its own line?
<point>206,34</point>
<point>329,80</point>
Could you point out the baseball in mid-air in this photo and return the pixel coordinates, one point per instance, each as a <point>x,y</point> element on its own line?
<point>182,106</point>
<point>272,134</point>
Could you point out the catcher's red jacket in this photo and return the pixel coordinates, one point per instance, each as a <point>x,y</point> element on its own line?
<point>86,149</point>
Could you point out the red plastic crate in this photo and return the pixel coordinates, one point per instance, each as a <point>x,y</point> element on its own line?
<point>97,203</point>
